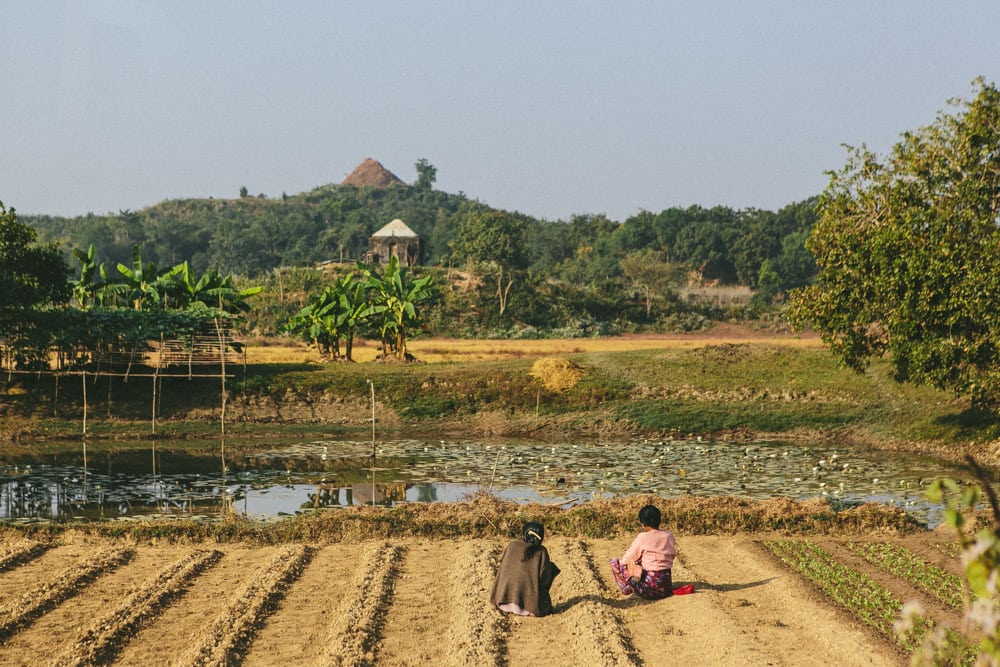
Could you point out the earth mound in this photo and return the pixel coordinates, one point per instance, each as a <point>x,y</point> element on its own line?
<point>371,172</point>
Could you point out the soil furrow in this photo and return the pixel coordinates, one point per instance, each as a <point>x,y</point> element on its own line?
<point>235,627</point>
<point>101,642</point>
<point>354,631</point>
<point>17,614</point>
<point>293,634</point>
<point>476,629</point>
<point>901,589</point>
<point>420,610</point>
<point>182,625</point>
<point>17,554</point>
<point>420,601</point>
<point>602,637</point>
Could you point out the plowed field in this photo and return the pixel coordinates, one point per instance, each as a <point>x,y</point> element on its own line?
<point>83,600</point>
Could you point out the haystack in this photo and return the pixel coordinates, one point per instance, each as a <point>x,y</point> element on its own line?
<point>557,374</point>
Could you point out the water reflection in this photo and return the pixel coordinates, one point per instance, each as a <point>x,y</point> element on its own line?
<point>313,476</point>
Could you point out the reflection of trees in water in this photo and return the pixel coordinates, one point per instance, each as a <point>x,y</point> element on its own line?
<point>65,497</point>
<point>24,499</point>
<point>345,495</point>
<point>426,493</point>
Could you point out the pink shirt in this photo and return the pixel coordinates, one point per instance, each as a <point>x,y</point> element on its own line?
<point>653,550</point>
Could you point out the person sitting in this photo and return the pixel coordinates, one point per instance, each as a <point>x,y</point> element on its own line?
<point>525,575</point>
<point>644,569</point>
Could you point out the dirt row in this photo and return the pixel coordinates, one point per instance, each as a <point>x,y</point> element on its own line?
<point>89,601</point>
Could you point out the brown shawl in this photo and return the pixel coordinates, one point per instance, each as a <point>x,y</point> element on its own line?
<point>526,583</point>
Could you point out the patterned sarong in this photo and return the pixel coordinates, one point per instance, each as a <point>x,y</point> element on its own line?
<point>654,584</point>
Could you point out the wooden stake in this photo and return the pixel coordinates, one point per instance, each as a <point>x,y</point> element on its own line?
<point>84,376</point>
<point>372,385</point>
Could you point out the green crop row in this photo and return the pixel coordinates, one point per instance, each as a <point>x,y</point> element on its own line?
<point>861,595</point>
<point>855,591</point>
<point>903,563</point>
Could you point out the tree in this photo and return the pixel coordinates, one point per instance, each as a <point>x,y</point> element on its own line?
<point>331,316</point>
<point>31,276</point>
<point>908,254</point>
<point>140,283</point>
<point>426,175</point>
<point>494,240</point>
<point>394,298</point>
<point>87,288</point>
<point>181,288</point>
<point>651,275</point>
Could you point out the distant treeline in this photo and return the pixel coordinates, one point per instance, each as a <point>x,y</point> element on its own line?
<point>253,235</point>
<point>596,269</point>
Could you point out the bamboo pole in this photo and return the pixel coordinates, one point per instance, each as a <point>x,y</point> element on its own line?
<point>222,375</point>
<point>84,376</point>
<point>372,385</point>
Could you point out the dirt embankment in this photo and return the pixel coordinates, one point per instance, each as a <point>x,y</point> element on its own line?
<point>86,600</point>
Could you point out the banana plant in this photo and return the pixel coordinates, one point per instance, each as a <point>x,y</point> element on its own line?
<point>86,289</point>
<point>394,298</point>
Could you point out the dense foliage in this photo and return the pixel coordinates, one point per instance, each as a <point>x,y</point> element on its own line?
<point>31,276</point>
<point>501,273</point>
<point>908,252</point>
<point>100,314</point>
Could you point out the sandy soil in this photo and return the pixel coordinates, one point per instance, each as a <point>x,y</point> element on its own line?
<point>85,600</point>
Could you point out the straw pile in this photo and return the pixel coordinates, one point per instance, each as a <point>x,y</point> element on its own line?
<point>557,374</point>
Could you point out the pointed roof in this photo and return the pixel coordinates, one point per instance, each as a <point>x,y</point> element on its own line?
<point>395,228</point>
<point>371,172</point>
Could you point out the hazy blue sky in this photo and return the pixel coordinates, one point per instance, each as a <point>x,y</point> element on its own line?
<point>549,108</point>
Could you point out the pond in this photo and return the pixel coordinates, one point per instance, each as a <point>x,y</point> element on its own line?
<point>312,476</point>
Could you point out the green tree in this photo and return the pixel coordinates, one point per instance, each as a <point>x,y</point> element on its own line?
<point>87,287</point>
<point>426,175</point>
<point>493,241</point>
<point>31,276</point>
<point>140,284</point>
<point>394,298</point>
<point>908,254</point>
<point>651,276</point>
<point>181,287</point>
<point>331,316</point>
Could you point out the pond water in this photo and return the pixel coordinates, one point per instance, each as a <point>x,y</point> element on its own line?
<point>312,476</point>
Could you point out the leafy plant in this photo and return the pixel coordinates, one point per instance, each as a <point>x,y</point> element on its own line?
<point>980,559</point>
<point>905,564</point>
<point>855,591</point>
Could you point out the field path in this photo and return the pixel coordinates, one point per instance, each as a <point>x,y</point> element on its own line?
<point>774,618</point>
<point>426,601</point>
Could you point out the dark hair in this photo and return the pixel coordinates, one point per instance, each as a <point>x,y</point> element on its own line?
<point>533,533</point>
<point>649,516</point>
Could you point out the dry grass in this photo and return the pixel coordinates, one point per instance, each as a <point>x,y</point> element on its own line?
<point>438,350</point>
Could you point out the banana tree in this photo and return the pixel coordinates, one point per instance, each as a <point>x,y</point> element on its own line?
<point>331,316</point>
<point>180,288</point>
<point>87,289</point>
<point>394,298</point>
<point>139,284</point>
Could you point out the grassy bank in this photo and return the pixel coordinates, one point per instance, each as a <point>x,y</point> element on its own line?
<point>729,390</point>
<point>487,516</point>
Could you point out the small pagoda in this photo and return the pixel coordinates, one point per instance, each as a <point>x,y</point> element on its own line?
<point>394,240</point>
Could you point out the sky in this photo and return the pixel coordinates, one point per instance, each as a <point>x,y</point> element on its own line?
<point>548,107</point>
